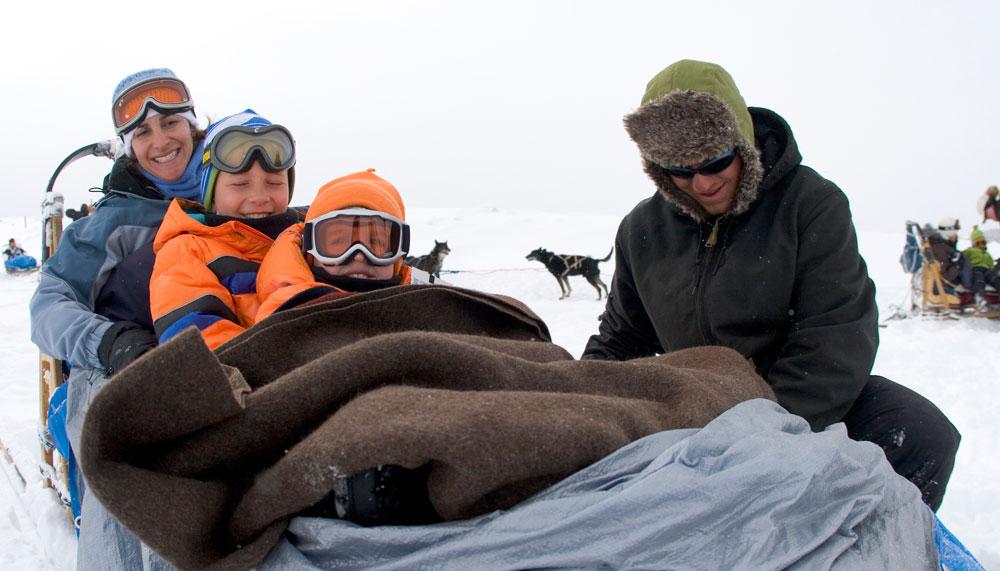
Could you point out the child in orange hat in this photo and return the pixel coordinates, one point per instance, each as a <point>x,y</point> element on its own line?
<point>355,238</point>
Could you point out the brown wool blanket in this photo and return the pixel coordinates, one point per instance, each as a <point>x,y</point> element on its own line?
<point>206,456</point>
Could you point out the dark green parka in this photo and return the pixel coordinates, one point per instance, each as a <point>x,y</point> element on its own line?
<point>783,284</point>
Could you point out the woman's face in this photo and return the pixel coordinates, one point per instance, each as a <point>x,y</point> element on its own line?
<point>163,145</point>
<point>254,193</point>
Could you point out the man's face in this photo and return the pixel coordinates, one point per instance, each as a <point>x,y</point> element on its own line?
<point>715,193</point>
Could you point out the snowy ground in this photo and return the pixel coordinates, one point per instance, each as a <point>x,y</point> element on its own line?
<point>951,362</point>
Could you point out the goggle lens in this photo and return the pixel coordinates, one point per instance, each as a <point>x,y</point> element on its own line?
<point>131,106</point>
<point>235,148</point>
<point>335,237</point>
<point>710,167</point>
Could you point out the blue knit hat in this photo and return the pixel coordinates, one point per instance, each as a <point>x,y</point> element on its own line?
<point>209,174</point>
<point>138,77</point>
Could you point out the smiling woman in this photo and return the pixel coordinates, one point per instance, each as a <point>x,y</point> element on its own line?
<point>91,307</point>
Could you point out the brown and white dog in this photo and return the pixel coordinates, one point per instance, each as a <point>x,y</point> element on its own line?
<point>563,266</point>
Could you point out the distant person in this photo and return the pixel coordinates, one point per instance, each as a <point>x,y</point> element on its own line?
<point>355,239</point>
<point>91,307</point>
<point>208,253</point>
<point>989,207</point>
<point>984,270</point>
<point>12,250</point>
<point>743,246</point>
<point>16,260</point>
<point>955,267</point>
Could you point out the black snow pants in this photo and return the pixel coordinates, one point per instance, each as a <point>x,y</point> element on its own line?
<point>918,439</point>
<point>982,277</point>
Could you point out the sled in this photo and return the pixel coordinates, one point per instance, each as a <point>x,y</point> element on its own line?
<point>21,272</point>
<point>52,371</point>
<point>934,296</point>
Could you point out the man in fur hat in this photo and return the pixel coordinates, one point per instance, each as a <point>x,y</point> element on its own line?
<point>743,246</point>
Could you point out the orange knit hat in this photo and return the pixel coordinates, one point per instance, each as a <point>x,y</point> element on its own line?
<point>362,189</point>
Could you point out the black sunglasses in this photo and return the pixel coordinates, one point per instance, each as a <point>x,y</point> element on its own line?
<point>711,166</point>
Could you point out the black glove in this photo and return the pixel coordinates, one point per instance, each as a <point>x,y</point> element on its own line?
<point>387,495</point>
<point>123,343</point>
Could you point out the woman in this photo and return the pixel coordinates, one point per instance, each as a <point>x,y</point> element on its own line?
<point>91,307</point>
<point>78,313</point>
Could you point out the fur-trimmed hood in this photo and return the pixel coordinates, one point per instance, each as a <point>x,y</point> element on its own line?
<point>692,112</point>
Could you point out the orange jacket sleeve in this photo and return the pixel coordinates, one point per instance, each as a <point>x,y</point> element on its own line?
<point>284,273</point>
<point>184,292</point>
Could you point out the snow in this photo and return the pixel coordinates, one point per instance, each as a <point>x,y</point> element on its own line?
<point>952,362</point>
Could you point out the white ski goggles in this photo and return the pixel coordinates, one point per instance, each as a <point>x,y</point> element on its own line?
<point>336,236</point>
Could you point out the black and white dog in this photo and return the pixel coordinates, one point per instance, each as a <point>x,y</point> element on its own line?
<point>432,262</point>
<point>562,266</point>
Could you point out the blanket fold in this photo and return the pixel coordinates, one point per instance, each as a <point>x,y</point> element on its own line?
<point>205,456</point>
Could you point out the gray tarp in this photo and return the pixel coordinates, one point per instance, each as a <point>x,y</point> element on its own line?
<point>754,489</point>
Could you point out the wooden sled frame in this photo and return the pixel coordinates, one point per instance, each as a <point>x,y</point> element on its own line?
<point>54,468</point>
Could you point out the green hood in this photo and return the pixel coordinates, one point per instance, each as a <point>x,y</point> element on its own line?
<point>691,75</point>
<point>691,112</point>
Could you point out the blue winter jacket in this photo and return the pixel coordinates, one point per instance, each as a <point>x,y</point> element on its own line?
<point>64,323</point>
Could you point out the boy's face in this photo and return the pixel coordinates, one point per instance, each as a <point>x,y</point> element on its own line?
<point>357,266</point>
<point>254,193</point>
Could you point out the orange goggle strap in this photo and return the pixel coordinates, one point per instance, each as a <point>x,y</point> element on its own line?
<point>401,249</point>
<point>165,94</point>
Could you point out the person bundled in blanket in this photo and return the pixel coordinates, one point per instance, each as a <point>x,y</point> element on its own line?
<point>355,238</point>
<point>208,253</point>
<point>15,259</point>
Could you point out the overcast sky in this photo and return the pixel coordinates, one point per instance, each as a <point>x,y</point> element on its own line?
<point>519,104</point>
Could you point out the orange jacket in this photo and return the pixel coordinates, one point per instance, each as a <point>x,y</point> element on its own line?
<point>205,276</point>
<point>285,273</point>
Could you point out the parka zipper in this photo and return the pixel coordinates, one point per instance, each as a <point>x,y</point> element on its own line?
<point>711,256</point>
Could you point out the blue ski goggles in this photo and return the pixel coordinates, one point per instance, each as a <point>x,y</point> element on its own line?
<point>335,237</point>
<point>235,148</point>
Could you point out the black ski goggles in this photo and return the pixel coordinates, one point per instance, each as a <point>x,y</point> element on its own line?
<point>709,167</point>
<point>235,148</point>
<point>335,237</point>
<point>166,95</point>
